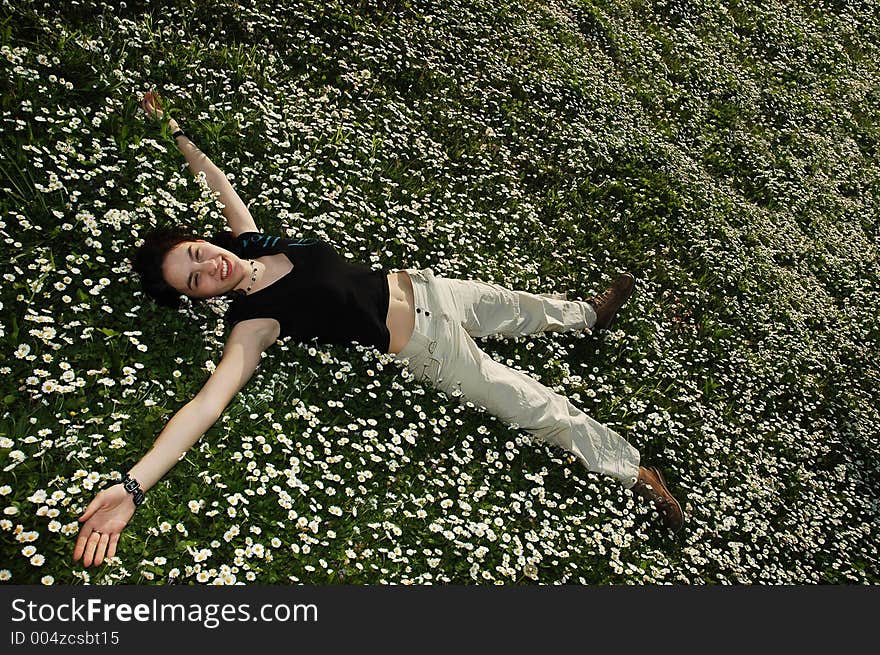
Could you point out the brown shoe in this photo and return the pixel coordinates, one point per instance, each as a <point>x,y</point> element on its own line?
<point>652,486</point>
<point>607,303</point>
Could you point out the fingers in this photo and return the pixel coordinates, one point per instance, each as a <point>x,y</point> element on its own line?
<point>151,104</point>
<point>81,543</point>
<point>94,547</point>
<point>91,546</point>
<point>91,508</point>
<point>111,548</point>
<point>101,549</point>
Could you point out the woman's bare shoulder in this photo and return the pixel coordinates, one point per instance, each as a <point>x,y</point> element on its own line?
<point>263,329</point>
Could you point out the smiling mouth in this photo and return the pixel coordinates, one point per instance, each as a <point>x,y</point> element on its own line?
<point>226,268</point>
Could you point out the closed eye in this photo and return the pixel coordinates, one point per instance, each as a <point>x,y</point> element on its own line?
<point>194,255</point>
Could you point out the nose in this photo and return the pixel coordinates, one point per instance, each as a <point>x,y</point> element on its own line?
<point>213,266</point>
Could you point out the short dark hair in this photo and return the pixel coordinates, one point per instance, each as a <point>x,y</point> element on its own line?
<point>147,260</point>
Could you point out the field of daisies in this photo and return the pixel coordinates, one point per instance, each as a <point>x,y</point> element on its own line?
<point>724,152</point>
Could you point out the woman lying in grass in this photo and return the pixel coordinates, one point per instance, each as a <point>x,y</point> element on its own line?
<point>303,288</point>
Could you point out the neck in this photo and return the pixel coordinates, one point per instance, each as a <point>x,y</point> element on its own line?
<point>253,273</point>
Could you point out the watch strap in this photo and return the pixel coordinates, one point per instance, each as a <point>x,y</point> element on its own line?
<point>133,487</point>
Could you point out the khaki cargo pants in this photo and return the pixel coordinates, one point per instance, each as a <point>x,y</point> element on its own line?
<point>450,313</point>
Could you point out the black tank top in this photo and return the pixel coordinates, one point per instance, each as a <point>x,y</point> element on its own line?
<point>323,297</point>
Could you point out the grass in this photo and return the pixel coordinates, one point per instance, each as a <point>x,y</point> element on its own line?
<point>725,153</point>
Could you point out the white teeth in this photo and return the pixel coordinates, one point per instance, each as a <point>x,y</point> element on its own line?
<point>225,270</point>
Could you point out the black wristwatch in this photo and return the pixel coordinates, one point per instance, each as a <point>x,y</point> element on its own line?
<point>177,134</point>
<point>133,487</point>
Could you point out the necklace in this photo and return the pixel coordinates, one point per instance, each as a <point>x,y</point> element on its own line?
<point>253,277</point>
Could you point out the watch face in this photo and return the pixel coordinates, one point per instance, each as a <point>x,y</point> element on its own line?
<point>130,485</point>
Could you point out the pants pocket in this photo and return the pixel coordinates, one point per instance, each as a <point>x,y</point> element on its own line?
<point>429,370</point>
<point>435,361</point>
<point>421,274</point>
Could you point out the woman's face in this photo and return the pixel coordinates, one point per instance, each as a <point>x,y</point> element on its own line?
<point>202,270</point>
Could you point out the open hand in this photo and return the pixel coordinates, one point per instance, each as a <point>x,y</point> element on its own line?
<point>103,521</point>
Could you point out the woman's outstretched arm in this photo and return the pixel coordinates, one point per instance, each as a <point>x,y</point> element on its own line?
<point>110,511</point>
<point>238,216</point>
<point>241,355</point>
